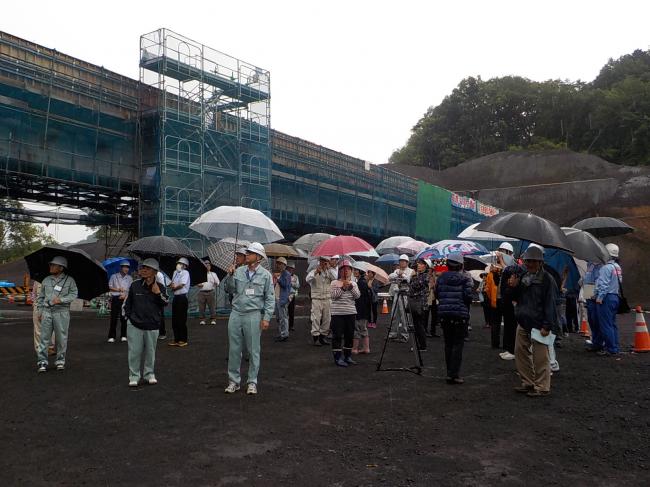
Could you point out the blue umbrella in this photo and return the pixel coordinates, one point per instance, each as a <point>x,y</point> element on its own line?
<point>112,265</point>
<point>388,259</point>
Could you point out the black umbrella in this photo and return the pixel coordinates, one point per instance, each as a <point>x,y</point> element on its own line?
<point>88,273</point>
<point>167,250</point>
<point>526,226</point>
<point>585,246</point>
<point>604,226</point>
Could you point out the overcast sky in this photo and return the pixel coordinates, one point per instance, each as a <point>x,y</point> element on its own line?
<point>354,76</point>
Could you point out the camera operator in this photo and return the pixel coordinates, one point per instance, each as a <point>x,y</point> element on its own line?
<point>401,277</point>
<point>418,295</point>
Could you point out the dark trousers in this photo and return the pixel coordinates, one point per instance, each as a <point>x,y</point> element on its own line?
<point>419,316</point>
<point>454,331</point>
<point>486,311</point>
<point>162,331</point>
<point>292,312</point>
<point>572,313</point>
<point>342,332</point>
<point>116,312</point>
<point>509,326</point>
<point>495,325</point>
<point>373,312</point>
<point>433,318</point>
<point>179,317</point>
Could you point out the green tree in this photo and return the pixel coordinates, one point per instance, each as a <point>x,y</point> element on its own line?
<point>18,238</point>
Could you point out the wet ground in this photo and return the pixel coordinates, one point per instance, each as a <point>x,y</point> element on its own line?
<point>313,423</point>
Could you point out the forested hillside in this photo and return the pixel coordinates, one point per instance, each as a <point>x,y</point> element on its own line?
<point>608,117</point>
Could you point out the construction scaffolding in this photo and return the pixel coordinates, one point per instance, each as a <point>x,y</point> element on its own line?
<point>67,133</point>
<point>205,134</point>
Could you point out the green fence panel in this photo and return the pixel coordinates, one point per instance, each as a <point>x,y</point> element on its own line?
<point>433,214</point>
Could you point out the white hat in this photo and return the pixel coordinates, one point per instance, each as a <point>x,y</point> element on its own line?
<point>256,248</point>
<point>612,249</point>
<point>335,257</point>
<point>281,260</point>
<point>151,263</point>
<point>241,250</point>
<point>59,260</point>
<point>506,246</point>
<point>404,257</point>
<point>183,261</point>
<point>125,263</point>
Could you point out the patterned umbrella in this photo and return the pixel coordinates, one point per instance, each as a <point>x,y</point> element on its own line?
<point>222,253</point>
<point>446,247</point>
<point>411,247</point>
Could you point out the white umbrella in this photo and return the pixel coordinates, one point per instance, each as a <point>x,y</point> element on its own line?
<point>412,247</point>
<point>310,240</point>
<point>238,222</point>
<point>471,233</point>
<point>389,245</point>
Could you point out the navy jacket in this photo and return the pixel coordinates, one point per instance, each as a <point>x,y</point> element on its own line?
<point>536,297</point>
<point>364,301</point>
<point>454,295</point>
<point>142,307</point>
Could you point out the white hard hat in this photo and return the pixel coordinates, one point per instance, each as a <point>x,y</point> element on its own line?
<point>404,257</point>
<point>256,248</point>
<point>183,261</point>
<point>59,260</point>
<point>125,263</point>
<point>506,246</point>
<point>281,260</point>
<point>533,252</point>
<point>151,263</point>
<point>335,257</point>
<point>612,249</point>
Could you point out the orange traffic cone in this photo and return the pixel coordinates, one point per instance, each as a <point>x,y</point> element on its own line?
<point>384,307</point>
<point>584,329</point>
<point>641,337</point>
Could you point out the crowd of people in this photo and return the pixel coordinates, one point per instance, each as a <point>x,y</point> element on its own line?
<point>528,297</point>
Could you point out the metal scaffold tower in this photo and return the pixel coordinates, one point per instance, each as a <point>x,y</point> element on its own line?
<point>204,134</point>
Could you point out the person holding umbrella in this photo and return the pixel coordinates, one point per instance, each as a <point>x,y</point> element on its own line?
<point>534,295</point>
<point>119,285</point>
<point>58,290</point>
<point>320,280</point>
<point>344,293</point>
<point>181,286</point>
<point>143,309</point>
<point>418,294</point>
<point>207,296</point>
<point>252,308</point>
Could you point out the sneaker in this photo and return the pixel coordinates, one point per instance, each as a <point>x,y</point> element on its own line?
<point>507,356</point>
<point>251,389</point>
<point>534,393</point>
<point>111,340</point>
<point>42,368</point>
<point>162,337</point>
<point>173,343</point>
<point>60,367</point>
<point>181,344</point>
<point>213,322</point>
<point>133,383</point>
<point>152,381</point>
<point>232,387</point>
<point>123,339</point>
<point>202,322</point>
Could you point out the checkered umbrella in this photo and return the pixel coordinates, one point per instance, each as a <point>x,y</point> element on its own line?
<point>222,253</point>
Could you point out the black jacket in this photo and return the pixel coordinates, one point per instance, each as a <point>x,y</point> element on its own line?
<point>454,295</point>
<point>507,292</point>
<point>536,298</point>
<point>142,307</point>
<point>364,302</point>
<point>419,290</point>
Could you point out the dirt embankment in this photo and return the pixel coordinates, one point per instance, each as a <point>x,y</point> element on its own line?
<point>565,187</point>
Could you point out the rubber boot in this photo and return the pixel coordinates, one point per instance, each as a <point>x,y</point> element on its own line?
<point>338,360</point>
<point>355,346</point>
<point>348,357</point>
<point>317,342</point>
<point>365,345</point>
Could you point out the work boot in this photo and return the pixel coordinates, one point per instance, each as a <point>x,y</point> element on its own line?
<point>365,345</point>
<point>355,346</point>
<point>348,357</point>
<point>338,360</point>
<point>317,342</point>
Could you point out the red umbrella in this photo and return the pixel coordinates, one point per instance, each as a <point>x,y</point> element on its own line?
<point>342,245</point>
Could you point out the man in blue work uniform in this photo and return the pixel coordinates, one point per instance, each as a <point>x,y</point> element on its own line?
<point>181,286</point>
<point>282,289</point>
<point>589,285</point>
<point>58,290</point>
<point>252,308</point>
<point>608,287</point>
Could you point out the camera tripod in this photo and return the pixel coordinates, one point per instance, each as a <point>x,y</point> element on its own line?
<point>401,304</point>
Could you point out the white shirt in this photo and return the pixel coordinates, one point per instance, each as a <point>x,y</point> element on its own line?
<point>211,283</point>
<point>181,277</point>
<point>119,281</point>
